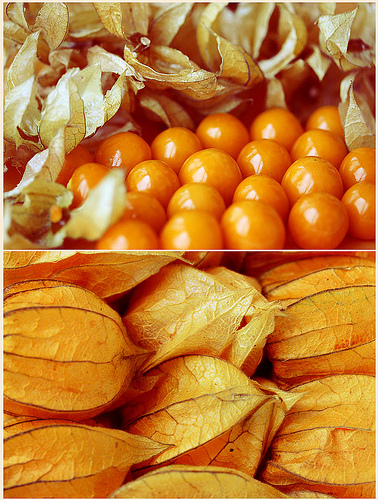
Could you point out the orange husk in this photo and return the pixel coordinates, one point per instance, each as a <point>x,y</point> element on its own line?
<point>326,443</point>
<point>287,271</point>
<point>210,413</point>
<point>66,352</point>
<point>330,332</point>
<point>320,280</point>
<point>186,481</point>
<point>216,312</point>
<point>63,459</point>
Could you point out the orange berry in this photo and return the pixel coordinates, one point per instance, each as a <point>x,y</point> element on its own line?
<point>131,234</point>
<point>153,177</point>
<point>278,124</point>
<point>85,178</point>
<point>223,131</point>
<point>197,196</point>
<point>326,118</point>
<point>252,225</point>
<point>266,189</point>
<point>311,174</point>
<point>264,157</point>
<point>174,145</point>
<point>125,150</point>
<point>321,143</point>
<point>359,201</point>
<point>318,221</point>
<point>192,230</point>
<point>140,205</point>
<point>358,166</point>
<point>214,167</point>
<point>78,156</point>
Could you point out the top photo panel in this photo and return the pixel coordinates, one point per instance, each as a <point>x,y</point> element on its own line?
<point>189,126</point>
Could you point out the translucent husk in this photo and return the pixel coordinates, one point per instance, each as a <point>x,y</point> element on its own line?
<point>148,49</point>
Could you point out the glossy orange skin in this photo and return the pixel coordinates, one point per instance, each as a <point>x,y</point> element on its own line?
<point>197,196</point>
<point>131,234</point>
<point>311,174</point>
<point>358,166</point>
<point>192,230</point>
<point>326,118</point>
<point>359,201</point>
<point>318,221</point>
<point>78,156</point>
<point>266,189</point>
<point>252,225</point>
<point>320,143</point>
<point>264,157</point>
<point>154,177</point>
<point>174,145</point>
<point>223,131</point>
<point>124,150</point>
<point>278,124</point>
<point>214,167</point>
<point>140,205</point>
<point>85,178</point>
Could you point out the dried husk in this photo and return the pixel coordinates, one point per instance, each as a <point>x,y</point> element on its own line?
<point>329,332</point>
<point>327,440</point>
<point>72,67</point>
<point>258,263</point>
<point>183,310</point>
<point>66,352</point>
<point>319,280</point>
<point>209,412</point>
<point>107,274</point>
<point>63,459</point>
<point>177,481</point>
<point>285,272</point>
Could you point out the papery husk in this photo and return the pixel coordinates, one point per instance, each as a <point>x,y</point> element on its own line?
<point>210,413</point>
<point>319,280</point>
<point>183,310</point>
<point>329,332</point>
<point>327,440</point>
<point>257,263</point>
<point>63,459</point>
<point>107,274</point>
<point>186,481</point>
<point>293,270</point>
<point>66,352</point>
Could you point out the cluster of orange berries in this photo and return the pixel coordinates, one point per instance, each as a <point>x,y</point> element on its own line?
<point>225,186</point>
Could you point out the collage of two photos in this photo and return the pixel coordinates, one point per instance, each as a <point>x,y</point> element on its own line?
<point>189,250</point>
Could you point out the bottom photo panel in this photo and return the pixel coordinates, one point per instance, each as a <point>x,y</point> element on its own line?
<point>174,374</point>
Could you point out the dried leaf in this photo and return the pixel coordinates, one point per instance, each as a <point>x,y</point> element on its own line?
<point>57,459</point>
<point>177,481</point>
<point>104,273</point>
<point>327,441</point>
<point>66,352</point>
<point>203,313</point>
<point>210,413</point>
<point>330,332</point>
